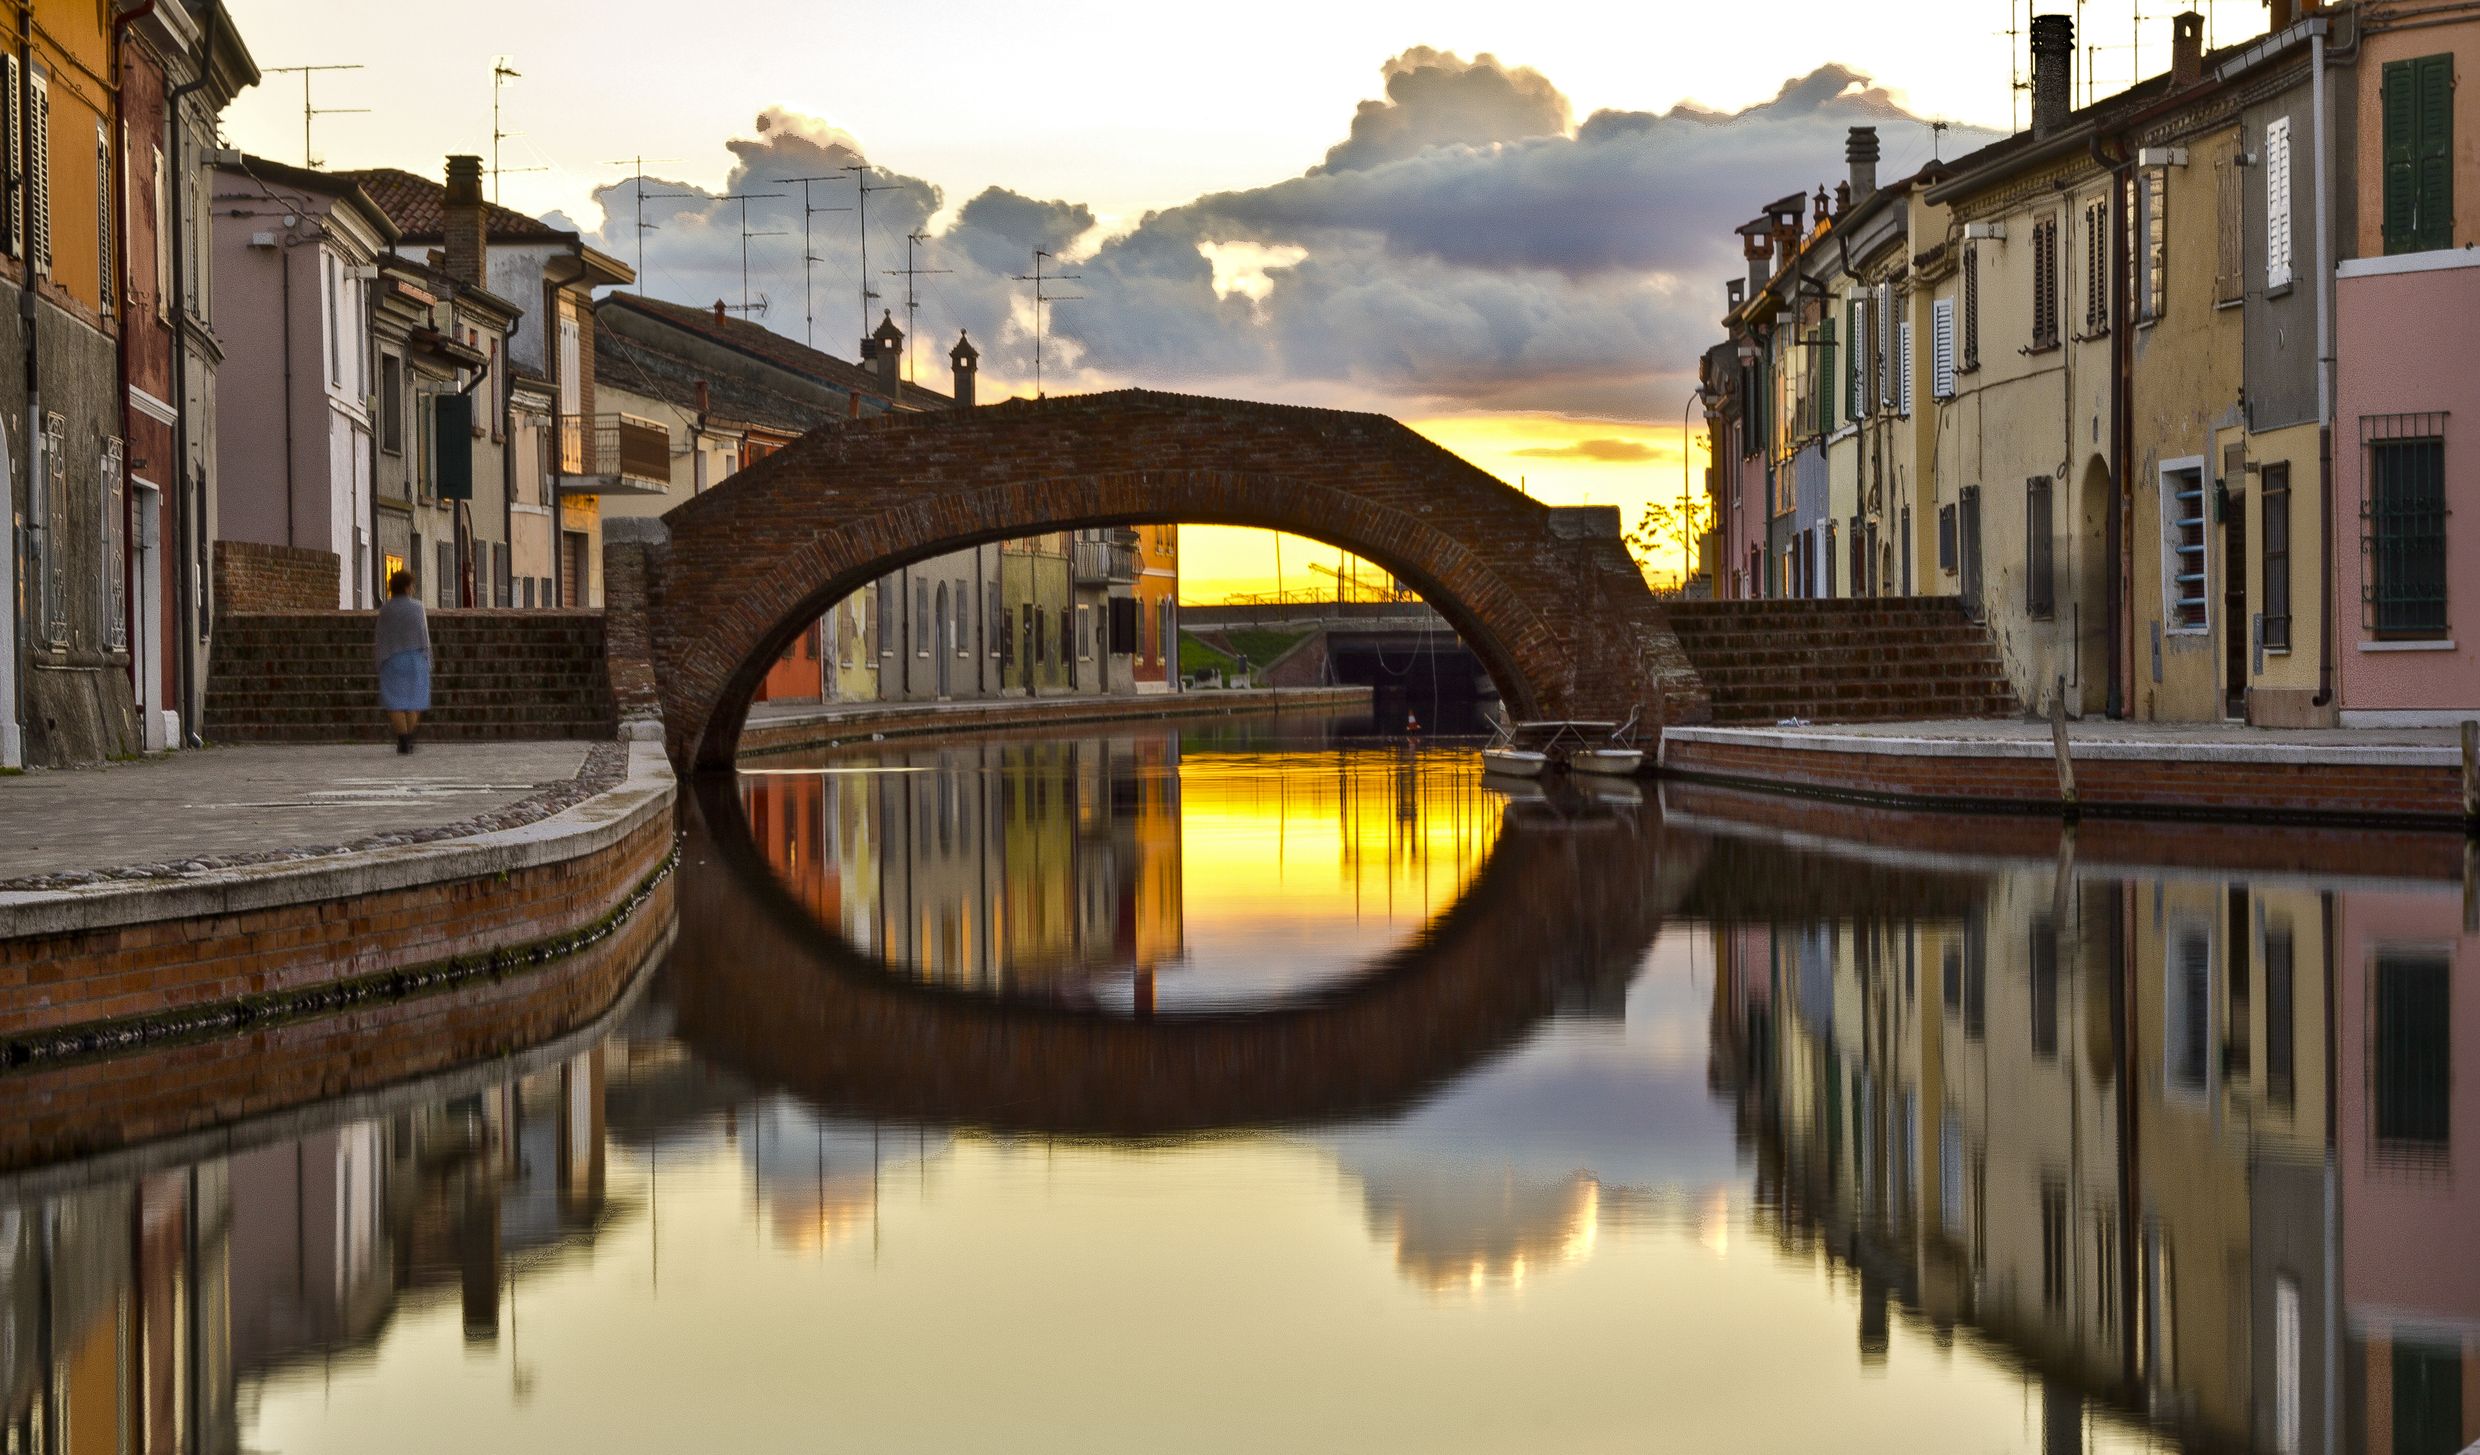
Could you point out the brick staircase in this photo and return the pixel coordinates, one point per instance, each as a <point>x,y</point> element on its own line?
<point>1871,659</point>
<point>307,676</point>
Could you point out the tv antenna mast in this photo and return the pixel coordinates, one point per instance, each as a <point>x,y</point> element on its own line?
<point>309,112</point>
<point>1041,302</point>
<point>637,180</point>
<point>809,251</point>
<point>744,199</point>
<point>861,205</point>
<point>912,291</point>
<point>501,74</point>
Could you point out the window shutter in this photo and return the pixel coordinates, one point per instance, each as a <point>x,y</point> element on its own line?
<point>14,182</point>
<point>106,289</point>
<point>39,176</point>
<point>1854,396</point>
<point>2278,203</point>
<point>1903,368</point>
<point>1823,388</point>
<point>2401,107</point>
<point>1881,395</point>
<point>1942,349</point>
<point>1971,317</point>
<point>2433,154</point>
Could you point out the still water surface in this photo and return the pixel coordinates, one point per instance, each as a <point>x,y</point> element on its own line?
<point>1261,1087</point>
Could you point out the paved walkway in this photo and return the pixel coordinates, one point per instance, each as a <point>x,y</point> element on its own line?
<point>2101,730</point>
<point>252,799</point>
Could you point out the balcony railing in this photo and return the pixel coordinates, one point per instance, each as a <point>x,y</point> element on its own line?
<point>624,447</point>
<point>1110,562</point>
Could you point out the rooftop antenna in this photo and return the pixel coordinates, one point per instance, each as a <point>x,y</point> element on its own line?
<point>912,291</point>
<point>809,250</point>
<point>744,199</point>
<point>1937,133</point>
<point>1042,300</point>
<point>309,112</point>
<point>861,205</point>
<point>2015,82</point>
<point>501,73</point>
<point>637,179</point>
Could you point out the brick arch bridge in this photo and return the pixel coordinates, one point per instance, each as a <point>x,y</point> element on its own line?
<point>1560,915</point>
<point>700,602</point>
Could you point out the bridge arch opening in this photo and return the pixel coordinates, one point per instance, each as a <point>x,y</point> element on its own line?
<point>703,601</point>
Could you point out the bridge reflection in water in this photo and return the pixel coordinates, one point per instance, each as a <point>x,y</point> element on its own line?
<point>2089,1157</point>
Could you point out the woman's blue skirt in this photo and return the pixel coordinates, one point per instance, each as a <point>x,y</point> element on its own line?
<point>405,682</point>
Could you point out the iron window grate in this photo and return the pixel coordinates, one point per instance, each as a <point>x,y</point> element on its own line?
<point>2403,525</point>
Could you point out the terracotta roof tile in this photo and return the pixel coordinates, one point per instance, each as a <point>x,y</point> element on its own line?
<point>417,204</point>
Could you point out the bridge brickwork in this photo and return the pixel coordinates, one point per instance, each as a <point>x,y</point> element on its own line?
<point>701,601</point>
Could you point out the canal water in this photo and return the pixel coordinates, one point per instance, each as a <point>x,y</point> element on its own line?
<point>1275,1085</point>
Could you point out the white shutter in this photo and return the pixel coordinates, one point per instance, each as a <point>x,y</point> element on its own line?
<point>2278,203</point>
<point>39,176</point>
<point>1942,348</point>
<point>1903,367</point>
<point>13,236</point>
<point>1857,347</point>
<point>1882,397</point>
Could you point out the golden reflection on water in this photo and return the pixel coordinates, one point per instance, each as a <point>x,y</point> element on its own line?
<point>1120,869</point>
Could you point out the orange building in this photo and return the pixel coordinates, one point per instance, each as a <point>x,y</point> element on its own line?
<point>1156,660</point>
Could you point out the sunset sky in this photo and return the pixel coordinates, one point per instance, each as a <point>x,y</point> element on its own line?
<point>1507,225</point>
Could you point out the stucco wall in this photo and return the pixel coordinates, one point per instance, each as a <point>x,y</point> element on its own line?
<point>2404,342</point>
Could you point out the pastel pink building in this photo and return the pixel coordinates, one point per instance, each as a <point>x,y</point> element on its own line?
<point>2407,402</point>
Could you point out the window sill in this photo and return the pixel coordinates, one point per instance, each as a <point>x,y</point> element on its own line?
<point>2238,302</point>
<point>2034,350</point>
<point>2282,291</point>
<point>2420,645</point>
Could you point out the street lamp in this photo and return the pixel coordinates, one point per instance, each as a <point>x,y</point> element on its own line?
<point>1687,519</point>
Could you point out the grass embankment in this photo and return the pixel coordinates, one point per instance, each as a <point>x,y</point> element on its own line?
<point>1260,645</point>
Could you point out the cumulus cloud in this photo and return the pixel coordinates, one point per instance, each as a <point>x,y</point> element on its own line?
<point>1466,245</point>
<point>1601,451</point>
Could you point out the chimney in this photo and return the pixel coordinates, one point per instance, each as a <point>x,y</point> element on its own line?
<point>2186,48</point>
<point>702,398</point>
<point>2053,72</point>
<point>1842,200</point>
<point>720,311</point>
<point>966,360</point>
<point>886,350</point>
<point>1860,150</point>
<point>2279,15</point>
<point>461,223</point>
<point>1756,243</point>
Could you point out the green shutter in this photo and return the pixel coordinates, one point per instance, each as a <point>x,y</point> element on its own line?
<point>1851,375</point>
<point>2433,154</point>
<point>2419,154</point>
<point>1825,377</point>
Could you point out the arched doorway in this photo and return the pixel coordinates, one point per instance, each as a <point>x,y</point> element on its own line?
<point>2095,498</point>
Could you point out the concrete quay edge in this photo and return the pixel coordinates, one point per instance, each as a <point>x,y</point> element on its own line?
<point>1825,740</point>
<point>795,732</point>
<point>646,790</point>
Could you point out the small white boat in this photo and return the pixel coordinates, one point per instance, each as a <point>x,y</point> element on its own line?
<point>1613,762</point>
<point>1514,762</point>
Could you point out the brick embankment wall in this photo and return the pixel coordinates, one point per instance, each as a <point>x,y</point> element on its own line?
<point>196,1089</point>
<point>123,963</point>
<point>2104,844</point>
<point>308,677</point>
<point>2237,786</point>
<point>254,577</point>
<point>774,734</point>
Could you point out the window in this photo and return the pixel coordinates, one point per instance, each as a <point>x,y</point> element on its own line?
<point>1823,387</point>
<point>2229,268</point>
<point>2096,267</point>
<point>1971,310</point>
<point>1856,374</point>
<point>1941,353</point>
<point>391,404</point>
<point>2273,531</point>
<point>2183,603</point>
<point>13,237</point>
<point>2277,204</point>
<point>2403,530</point>
<point>2044,956</point>
<point>2419,154</point>
<point>2040,549</point>
<point>2045,283</point>
<point>2054,1229</point>
<point>444,590</point>
<point>164,239</point>
<point>921,619</point>
<point>1946,539</point>
<point>1084,633</point>
<point>2188,1000</point>
<point>2280,1016</point>
<point>2410,1061</point>
<point>884,590</point>
<point>112,488</point>
<point>2152,242</point>
<point>106,284</point>
<point>333,268</point>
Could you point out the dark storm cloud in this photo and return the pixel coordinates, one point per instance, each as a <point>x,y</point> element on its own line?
<point>1613,452</point>
<point>1463,246</point>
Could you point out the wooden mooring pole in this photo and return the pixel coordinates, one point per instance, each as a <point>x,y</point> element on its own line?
<point>2067,805</point>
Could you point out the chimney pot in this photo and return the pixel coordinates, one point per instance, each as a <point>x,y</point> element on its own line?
<point>886,349</point>
<point>702,398</point>
<point>2186,48</point>
<point>462,224</point>
<point>2053,71</point>
<point>719,310</point>
<point>1860,150</point>
<point>966,360</point>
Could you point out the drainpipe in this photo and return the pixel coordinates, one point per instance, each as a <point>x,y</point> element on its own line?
<point>551,355</point>
<point>34,398</point>
<point>2326,630</point>
<point>2114,528</point>
<point>508,454</point>
<point>188,515</point>
<point>131,593</point>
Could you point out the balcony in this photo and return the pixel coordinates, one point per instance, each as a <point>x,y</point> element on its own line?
<point>614,454</point>
<point>1108,562</point>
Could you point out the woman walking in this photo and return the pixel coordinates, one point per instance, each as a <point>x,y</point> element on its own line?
<point>404,652</point>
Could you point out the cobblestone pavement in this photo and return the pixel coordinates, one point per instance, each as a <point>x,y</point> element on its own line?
<point>252,800</point>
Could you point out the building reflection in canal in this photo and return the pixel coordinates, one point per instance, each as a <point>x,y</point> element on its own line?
<point>1878,1153</point>
<point>1123,870</point>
